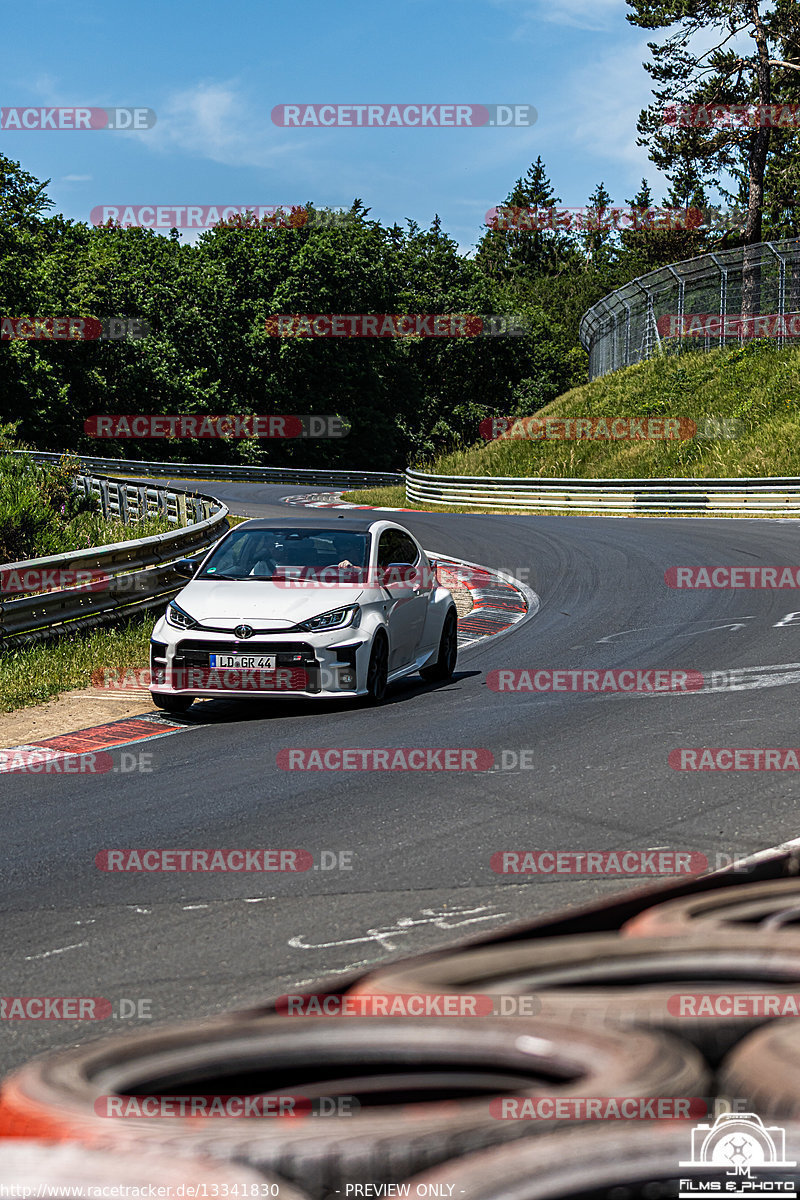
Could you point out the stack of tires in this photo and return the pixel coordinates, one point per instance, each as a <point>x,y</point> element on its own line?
<point>683,1003</point>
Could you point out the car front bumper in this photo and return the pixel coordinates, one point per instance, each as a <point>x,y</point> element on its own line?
<point>330,665</point>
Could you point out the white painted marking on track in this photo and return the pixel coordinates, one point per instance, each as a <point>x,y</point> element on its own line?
<point>384,934</point>
<point>716,628</point>
<point>729,679</point>
<point>59,950</point>
<point>668,625</point>
<point>748,678</point>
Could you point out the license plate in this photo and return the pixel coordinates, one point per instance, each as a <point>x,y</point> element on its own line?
<point>243,662</point>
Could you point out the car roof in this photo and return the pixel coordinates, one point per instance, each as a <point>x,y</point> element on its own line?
<point>322,522</point>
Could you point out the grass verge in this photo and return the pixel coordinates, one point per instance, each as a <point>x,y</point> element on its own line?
<point>755,387</point>
<point>751,392</point>
<point>34,674</point>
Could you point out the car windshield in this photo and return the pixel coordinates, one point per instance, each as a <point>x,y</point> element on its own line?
<point>273,553</point>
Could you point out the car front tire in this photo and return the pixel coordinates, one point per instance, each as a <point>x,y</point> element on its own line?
<point>378,670</point>
<point>171,704</point>
<point>445,664</point>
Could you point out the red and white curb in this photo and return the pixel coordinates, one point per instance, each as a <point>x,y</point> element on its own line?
<point>113,735</point>
<point>499,602</point>
<point>334,500</point>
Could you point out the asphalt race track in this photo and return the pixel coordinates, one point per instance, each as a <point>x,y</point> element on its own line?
<point>420,842</point>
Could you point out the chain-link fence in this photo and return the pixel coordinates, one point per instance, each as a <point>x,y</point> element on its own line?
<point>702,303</point>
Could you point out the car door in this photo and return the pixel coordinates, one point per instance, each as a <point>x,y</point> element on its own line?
<point>406,617</point>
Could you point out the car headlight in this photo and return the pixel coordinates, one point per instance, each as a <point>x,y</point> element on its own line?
<point>180,619</point>
<point>337,618</point>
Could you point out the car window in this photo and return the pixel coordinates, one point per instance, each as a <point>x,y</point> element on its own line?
<point>261,552</point>
<point>396,547</point>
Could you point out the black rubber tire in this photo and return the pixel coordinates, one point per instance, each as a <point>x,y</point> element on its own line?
<point>430,1120</point>
<point>764,906</point>
<point>378,670</point>
<point>172,704</point>
<point>445,664</point>
<point>765,1068</point>
<point>604,978</point>
<point>616,1160</point>
<point>43,1165</point>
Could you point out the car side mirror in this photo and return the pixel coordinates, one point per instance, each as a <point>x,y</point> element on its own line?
<point>186,567</point>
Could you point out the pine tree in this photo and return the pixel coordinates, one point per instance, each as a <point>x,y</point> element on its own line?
<point>686,75</point>
<point>507,252</point>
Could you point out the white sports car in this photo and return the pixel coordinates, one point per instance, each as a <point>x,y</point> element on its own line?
<point>304,608</point>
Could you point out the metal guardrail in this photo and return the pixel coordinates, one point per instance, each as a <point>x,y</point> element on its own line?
<point>136,576</point>
<point>622,327</point>
<point>686,497</point>
<point>284,475</point>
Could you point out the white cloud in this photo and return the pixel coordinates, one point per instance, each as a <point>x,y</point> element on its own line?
<point>76,178</point>
<point>215,121</point>
<point>596,15</point>
<point>599,110</point>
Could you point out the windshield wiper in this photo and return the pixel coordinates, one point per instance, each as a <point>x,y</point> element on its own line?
<point>220,575</point>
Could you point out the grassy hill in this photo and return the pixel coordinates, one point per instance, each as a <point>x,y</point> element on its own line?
<point>756,387</point>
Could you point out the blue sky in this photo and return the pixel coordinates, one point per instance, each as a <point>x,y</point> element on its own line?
<point>213,72</point>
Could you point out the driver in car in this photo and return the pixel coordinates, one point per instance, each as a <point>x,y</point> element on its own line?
<point>264,563</point>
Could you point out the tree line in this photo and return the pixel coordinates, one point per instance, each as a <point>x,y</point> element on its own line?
<point>405,399</point>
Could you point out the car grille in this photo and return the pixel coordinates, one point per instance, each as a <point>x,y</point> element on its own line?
<point>295,660</point>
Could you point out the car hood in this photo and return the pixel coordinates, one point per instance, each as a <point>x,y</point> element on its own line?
<point>226,603</point>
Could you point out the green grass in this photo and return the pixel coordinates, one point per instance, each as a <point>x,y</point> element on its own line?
<point>757,386</point>
<point>32,675</point>
<point>42,513</point>
<point>395,497</point>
